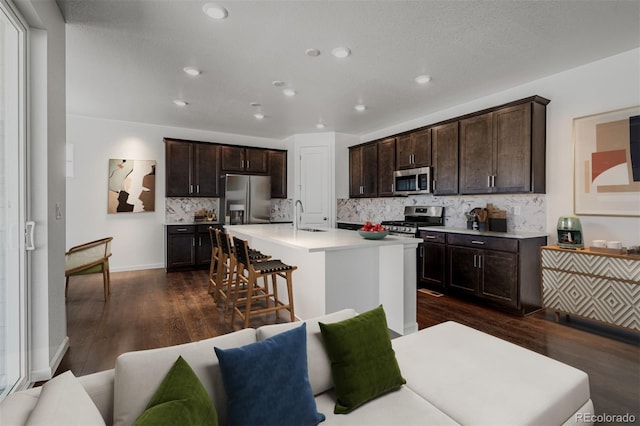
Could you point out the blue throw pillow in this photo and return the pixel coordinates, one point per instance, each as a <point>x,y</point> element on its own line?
<point>267,382</point>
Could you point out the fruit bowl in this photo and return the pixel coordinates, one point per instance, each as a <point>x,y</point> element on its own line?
<point>373,235</point>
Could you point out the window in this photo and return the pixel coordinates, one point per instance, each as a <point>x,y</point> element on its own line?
<point>12,200</point>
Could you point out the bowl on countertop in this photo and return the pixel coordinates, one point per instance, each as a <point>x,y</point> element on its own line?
<point>373,235</point>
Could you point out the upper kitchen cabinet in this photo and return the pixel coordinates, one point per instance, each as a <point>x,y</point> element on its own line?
<point>386,166</point>
<point>363,171</point>
<point>278,173</point>
<point>414,150</point>
<point>503,150</point>
<point>243,160</point>
<point>444,152</point>
<point>192,169</point>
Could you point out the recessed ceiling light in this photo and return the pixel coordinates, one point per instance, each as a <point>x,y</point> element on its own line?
<point>320,126</point>
<point>180,102</point>
<point>215,11</point>
<point>341,52</point>
<point>360,107</point>
<point>423,79</point>
<point>191,71</point>
<point>278,83</point>
<point>258,115</point>
<point>289,92</point>
<point>312,52</point>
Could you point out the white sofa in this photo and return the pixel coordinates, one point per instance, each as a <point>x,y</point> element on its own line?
<point>454,374</point>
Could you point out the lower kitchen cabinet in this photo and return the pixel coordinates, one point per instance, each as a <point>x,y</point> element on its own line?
<point>431,262</point>
<point>188,246</point>
<point>500,271</point>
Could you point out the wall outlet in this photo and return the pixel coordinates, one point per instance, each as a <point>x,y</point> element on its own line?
<point>517,210</point>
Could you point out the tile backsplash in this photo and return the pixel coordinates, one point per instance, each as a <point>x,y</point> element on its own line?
<point>178,209</point>
<point>532,217</point>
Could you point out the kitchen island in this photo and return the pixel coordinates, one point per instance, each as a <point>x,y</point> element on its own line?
<point>338,269</point>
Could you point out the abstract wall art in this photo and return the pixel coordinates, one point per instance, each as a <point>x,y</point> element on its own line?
<point>607,163</point>
<point>132,186</point>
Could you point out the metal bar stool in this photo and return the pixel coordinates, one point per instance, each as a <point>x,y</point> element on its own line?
<point>252,291</point>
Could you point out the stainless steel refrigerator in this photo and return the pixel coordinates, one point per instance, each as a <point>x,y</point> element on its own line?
<point>247,199</point>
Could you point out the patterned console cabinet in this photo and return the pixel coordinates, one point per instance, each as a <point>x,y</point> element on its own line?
<point>592,285</point>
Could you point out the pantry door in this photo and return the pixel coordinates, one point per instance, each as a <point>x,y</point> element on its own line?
<point>315,180</point>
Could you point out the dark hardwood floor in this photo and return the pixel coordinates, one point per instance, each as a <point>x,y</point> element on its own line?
<point>152,308</point>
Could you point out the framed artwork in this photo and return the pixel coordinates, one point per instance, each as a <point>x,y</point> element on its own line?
<point>132,186</point>
<point>607,163</point>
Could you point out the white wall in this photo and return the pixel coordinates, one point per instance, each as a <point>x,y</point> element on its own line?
<point>138,241</point>
<point>605,85</point>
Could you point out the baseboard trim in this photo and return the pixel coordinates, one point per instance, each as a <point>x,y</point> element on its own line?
<point>137,267</point>
<point>44,374</point>
<point>57,358</point>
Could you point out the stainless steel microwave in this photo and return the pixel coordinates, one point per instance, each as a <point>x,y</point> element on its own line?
<point>412,181</point>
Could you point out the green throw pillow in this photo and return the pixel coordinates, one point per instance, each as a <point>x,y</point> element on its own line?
<point>363,363</point>
<point>179,400</point>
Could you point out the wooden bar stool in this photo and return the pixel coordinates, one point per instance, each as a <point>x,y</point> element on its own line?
<point>252,291</point>
<point>227,269</point>
<point>213,266</point>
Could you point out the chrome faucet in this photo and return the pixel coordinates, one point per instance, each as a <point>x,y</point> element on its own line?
<point>297,217</point>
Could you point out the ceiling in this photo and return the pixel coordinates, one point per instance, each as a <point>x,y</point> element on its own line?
<point>125,58</point>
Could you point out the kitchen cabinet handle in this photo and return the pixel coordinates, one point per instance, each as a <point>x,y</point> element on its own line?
<point>198,188</point>
<point>193,241</point>
<point>190,189</point>
<point>480,261</point>
<point>489,181</point>
<point>421,251</point>
<point>182,229</point>
<point>392,187</point>
<point>493,181</point>
<point>475,260</point>
<point>248,166</point>
<point>200,241</point>
<point>429,237</point>
<point>433,188</point>
<point>477,242</point>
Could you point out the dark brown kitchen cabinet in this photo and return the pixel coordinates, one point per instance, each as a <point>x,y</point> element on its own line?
<point>414,149</point>
<point>432,260</point>
<point>278,173</point>
<point>444,158</point>
<point>245,160</point>
<point>503,272</point>
<point>181,247</point>
<point>192,169</point>
<point>363,171</point>
<point>502,151</point>
<point>386,166</point>
<point>188,246</point>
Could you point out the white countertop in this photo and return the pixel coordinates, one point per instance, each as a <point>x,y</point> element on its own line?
<point>330,239</point>
<point>517,235</point>
<point>201,222</point>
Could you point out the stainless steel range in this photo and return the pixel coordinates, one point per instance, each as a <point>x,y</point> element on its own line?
<point>416,217</point>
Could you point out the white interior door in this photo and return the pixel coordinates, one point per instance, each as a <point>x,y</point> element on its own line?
<point>314,181</point>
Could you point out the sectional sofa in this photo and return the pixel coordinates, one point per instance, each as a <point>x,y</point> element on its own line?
<point>454,375</point>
